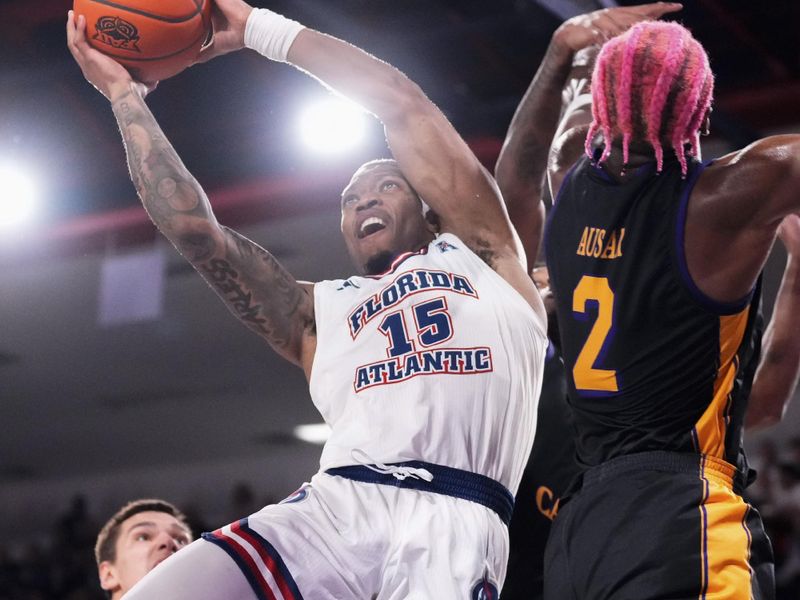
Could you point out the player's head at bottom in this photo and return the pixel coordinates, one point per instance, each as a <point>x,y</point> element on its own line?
<point>139,536</point>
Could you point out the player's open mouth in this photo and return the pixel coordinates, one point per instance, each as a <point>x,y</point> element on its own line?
<point>370,226</point>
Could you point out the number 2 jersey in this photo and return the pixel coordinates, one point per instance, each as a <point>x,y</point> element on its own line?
<point>651,361</point>
<point>438,360</point>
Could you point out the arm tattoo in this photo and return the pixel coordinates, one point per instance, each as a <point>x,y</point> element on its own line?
<point>536,119</point>
<point>258,290</point>
<point>168,191</point>
<point>227,282</point>
<point>251,282</point>
<point>196,247</point>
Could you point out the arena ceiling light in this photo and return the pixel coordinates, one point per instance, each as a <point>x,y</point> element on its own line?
<point>332,126</point>
<point>18,196</point>
<point>315,433</point>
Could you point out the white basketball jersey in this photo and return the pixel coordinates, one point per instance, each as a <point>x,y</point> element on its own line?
<point>438,360</point>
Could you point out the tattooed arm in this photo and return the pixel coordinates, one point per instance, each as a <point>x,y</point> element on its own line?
<point>521,165</point>
<point>254,286</point>
<point>530,139</point>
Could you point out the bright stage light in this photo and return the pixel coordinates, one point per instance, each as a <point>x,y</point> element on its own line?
<point>18,196</point>
<point>317,433</point>
<point>332,126</point>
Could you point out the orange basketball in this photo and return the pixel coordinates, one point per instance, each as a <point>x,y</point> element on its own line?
<point>153,39</point>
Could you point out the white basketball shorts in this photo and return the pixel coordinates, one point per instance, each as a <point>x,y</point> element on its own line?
<point>337,538</point>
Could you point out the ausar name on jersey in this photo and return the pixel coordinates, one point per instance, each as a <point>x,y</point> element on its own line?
<point>404,285</point>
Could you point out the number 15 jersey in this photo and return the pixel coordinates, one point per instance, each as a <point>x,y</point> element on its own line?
<point>651,361</point>
<point>438,360</point>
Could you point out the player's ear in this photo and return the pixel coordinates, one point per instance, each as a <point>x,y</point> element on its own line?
<point>109,580</point>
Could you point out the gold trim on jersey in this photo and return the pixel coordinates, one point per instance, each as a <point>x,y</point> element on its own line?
<point>725,540</point>
<point>712,426</point>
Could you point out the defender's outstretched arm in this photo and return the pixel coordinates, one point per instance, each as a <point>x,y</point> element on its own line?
<point>779,369</point>
<point>554,114</point>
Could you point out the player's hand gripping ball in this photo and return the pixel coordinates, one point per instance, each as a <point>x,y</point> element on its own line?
<point>153,39</point>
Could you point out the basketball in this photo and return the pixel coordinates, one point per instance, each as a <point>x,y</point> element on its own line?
<point>153,39</point>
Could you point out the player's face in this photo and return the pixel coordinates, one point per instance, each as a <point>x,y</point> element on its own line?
<point>145,540</point>
<point>382,218</point>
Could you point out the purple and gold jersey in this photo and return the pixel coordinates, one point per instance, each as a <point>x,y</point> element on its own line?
<point>651,361</point>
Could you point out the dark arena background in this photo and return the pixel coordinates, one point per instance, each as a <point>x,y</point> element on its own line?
<point>122,376</point>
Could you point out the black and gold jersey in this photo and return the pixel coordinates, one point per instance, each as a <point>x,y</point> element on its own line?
<point>651,361</point>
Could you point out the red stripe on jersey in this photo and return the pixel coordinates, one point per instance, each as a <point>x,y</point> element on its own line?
<point>268,560</point>
<point>245,556</point>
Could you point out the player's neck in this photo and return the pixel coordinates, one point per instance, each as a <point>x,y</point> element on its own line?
<point>639,154</point>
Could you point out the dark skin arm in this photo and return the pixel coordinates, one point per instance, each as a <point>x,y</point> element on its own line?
<point>735,210</point>
<point>523,158</point>
<point>247,278</point>
<point>523,161</point>
<point>779,370</point>
<point>522,165</point>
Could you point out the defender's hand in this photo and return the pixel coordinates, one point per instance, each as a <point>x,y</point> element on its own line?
<point>597,27</point>
<point>229,18</point>
<point>108,76</point>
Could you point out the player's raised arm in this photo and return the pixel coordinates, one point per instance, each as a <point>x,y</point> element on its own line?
<point>249,280</point>
<point>553,117</point>
<point>434,159</point>
<point>779,370</point>
<point>520,168</point>
<point>521,165</point>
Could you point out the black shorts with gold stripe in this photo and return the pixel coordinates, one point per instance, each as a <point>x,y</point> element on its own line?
<point>659,525</point>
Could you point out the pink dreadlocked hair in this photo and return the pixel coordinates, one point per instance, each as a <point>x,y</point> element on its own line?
<point>653,83</point>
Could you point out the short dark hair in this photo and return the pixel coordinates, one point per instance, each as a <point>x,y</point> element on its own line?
<point>105,549</point>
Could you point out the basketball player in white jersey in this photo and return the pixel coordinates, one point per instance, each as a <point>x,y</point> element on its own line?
<point>427,367</point>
